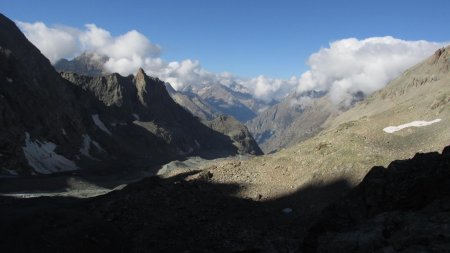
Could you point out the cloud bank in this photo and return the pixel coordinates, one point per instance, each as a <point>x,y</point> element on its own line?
<point>343,68</point>
<point>350,65</point>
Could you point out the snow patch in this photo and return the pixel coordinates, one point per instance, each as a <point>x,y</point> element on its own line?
<point>136,116</point>
<point>43,159</point>
<point>100,124</point>
<point>87,142</point>
<point>63,131</point>
<point>392,129</point>
<point>10,80</point>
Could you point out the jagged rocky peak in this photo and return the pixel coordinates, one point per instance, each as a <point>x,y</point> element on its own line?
<point>149,88</point>
<point>141,85</point>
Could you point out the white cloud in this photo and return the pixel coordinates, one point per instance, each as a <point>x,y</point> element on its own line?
<point>66,42</point>
<point>54,43</point>
<point>344,68</point>
<point>132,50</point>
<point>268,88</point>
<point>350,65</point>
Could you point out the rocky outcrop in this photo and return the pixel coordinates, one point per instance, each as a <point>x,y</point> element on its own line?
<point>402,208</point>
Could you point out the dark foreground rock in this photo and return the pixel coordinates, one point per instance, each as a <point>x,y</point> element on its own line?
<point>402,208</point>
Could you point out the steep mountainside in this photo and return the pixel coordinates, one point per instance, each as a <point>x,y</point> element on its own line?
<point>295,119</point>
<point>38,109</point>
<point>52,125</point>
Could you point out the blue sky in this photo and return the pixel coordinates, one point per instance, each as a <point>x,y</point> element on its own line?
<point>246,38</point>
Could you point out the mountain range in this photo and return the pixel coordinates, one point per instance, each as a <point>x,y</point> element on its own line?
<point>203,101</point>
<point>51,124</point>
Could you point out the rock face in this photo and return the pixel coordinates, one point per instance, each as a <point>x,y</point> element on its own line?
<point>402,208</point>
<point>52,125</point>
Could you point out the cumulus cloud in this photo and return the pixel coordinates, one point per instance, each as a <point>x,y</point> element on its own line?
<point>350,66</point>
<point>346,67</point>
<point>267,88</point>
<point>67,42</point>
<point>54,43</point>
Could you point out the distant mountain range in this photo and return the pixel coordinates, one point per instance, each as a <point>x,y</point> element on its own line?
<point>51,124</point>
<point>205,102</point>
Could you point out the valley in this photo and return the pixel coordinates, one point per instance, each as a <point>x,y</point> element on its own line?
<point>96,161</point>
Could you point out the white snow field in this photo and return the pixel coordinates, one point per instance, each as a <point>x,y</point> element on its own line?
<point>100,124</point>
<point>43,159</point>
<point>421,123</point>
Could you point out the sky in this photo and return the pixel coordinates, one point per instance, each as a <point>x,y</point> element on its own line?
<point>266,45</point>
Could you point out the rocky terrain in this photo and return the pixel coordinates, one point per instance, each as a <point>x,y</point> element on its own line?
<point>50,124</point>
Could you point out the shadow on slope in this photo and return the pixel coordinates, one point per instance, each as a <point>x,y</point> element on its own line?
<point>189,213</point>
<point>179,214</point>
